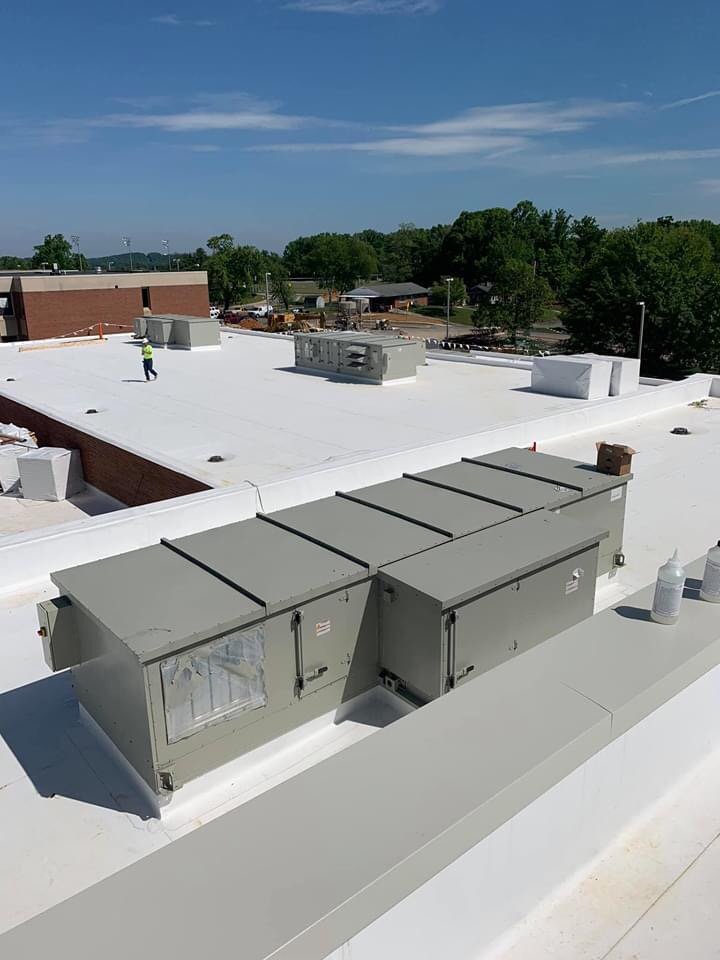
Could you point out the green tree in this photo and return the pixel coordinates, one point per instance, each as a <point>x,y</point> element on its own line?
<point>458,294</point>
<point>336,260</point>
<point>517,300</point>
<point>670,266</point>
<point>54,249</point>
<point>13,263</point>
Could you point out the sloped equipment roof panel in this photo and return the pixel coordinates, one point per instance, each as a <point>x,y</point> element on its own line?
<point>444,510</point>
<point>273,565</point>
<point>522,494</point>
<point>155,601</point>
<point>558,470</point>
<point>362,534</point>
<point>482,561</point>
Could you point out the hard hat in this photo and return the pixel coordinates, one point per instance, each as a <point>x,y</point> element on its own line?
<point>145,340</point>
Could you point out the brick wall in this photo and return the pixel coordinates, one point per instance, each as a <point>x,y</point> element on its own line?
<point>192,301</point>
<point>64,312</point>
<point>129,478</point>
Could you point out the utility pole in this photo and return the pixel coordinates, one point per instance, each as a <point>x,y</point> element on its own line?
<point>449,280</point>
<point>166,248</point>
<point>267,294</point>
<point>127,242</point>
<point>641,335</point>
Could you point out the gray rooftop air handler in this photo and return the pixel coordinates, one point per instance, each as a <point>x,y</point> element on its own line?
<point>140,325</point>
<point>192,653</point>
<point>195,651</point>
<point>600,498</point>
<point>461,609</point>
<point>371,358</point>
<point>50,473</point>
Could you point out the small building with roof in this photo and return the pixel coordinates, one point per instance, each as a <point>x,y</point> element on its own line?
<point>390,296</point>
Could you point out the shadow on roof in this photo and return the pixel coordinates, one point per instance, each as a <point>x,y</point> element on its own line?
<point>64,753</point>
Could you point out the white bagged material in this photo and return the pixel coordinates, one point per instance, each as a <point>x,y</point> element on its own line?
<point>50,473</point>
<point>19,434</point>
<point>625,376</point>
<point>580,378</point>
<point>9,471</point>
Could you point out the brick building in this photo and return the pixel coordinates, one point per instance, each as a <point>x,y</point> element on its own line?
<point>35,305</point>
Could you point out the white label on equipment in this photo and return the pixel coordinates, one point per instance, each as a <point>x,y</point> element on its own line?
<point>571,586</point>
<point>616,494</point>
<point>322,628</point>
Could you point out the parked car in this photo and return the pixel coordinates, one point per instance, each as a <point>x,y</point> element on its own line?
<point>258,312</point>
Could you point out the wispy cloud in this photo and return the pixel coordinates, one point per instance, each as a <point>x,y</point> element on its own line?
<point>490,131</point>
<point>658,156</point>
<point>366,7</point>
<point>405,146</point>
<point>530,118</point>
<point>172,20</point>
<point>684,103</point>
<point>204,112</point>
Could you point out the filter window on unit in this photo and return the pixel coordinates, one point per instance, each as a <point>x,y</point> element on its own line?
<point>208,684</point>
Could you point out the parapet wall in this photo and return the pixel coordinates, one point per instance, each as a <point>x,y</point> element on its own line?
<point>121,473</point>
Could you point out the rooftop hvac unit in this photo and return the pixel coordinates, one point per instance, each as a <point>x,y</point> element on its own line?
<point>373,358</point>
<point>193,652</point>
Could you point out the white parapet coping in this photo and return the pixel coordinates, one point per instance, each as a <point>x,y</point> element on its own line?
<point>27,558</point>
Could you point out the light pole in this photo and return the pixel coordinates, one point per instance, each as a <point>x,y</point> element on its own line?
<point>267,294</point>
<point>166,248</point>
<point>177,264</point>
<point>127,241</point>
<point>449,280</point>
<point>641,304</point>
<point>76,240</point>
<point>111,264</point>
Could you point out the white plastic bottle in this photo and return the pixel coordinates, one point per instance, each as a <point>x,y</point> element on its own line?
<point>668,591</point>
<point>710,589</point>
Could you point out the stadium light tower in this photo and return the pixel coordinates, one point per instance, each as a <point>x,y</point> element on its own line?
<point>76,240</point>
<point>127,242</point>
<point>166,248</point>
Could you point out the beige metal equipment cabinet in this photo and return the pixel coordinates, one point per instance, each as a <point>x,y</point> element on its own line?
<point>452,613</point>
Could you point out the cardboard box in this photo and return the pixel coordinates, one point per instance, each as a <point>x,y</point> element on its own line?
<point>614,458</point>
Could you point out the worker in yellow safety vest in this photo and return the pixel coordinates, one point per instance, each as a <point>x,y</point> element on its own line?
<point>147,359</point>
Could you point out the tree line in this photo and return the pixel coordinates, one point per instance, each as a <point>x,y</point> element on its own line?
<point>515,262</point>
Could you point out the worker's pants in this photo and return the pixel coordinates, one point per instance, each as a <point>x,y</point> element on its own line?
<point>148,368</point>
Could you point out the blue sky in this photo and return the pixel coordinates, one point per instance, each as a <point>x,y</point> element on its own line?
<point>272,118</point>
